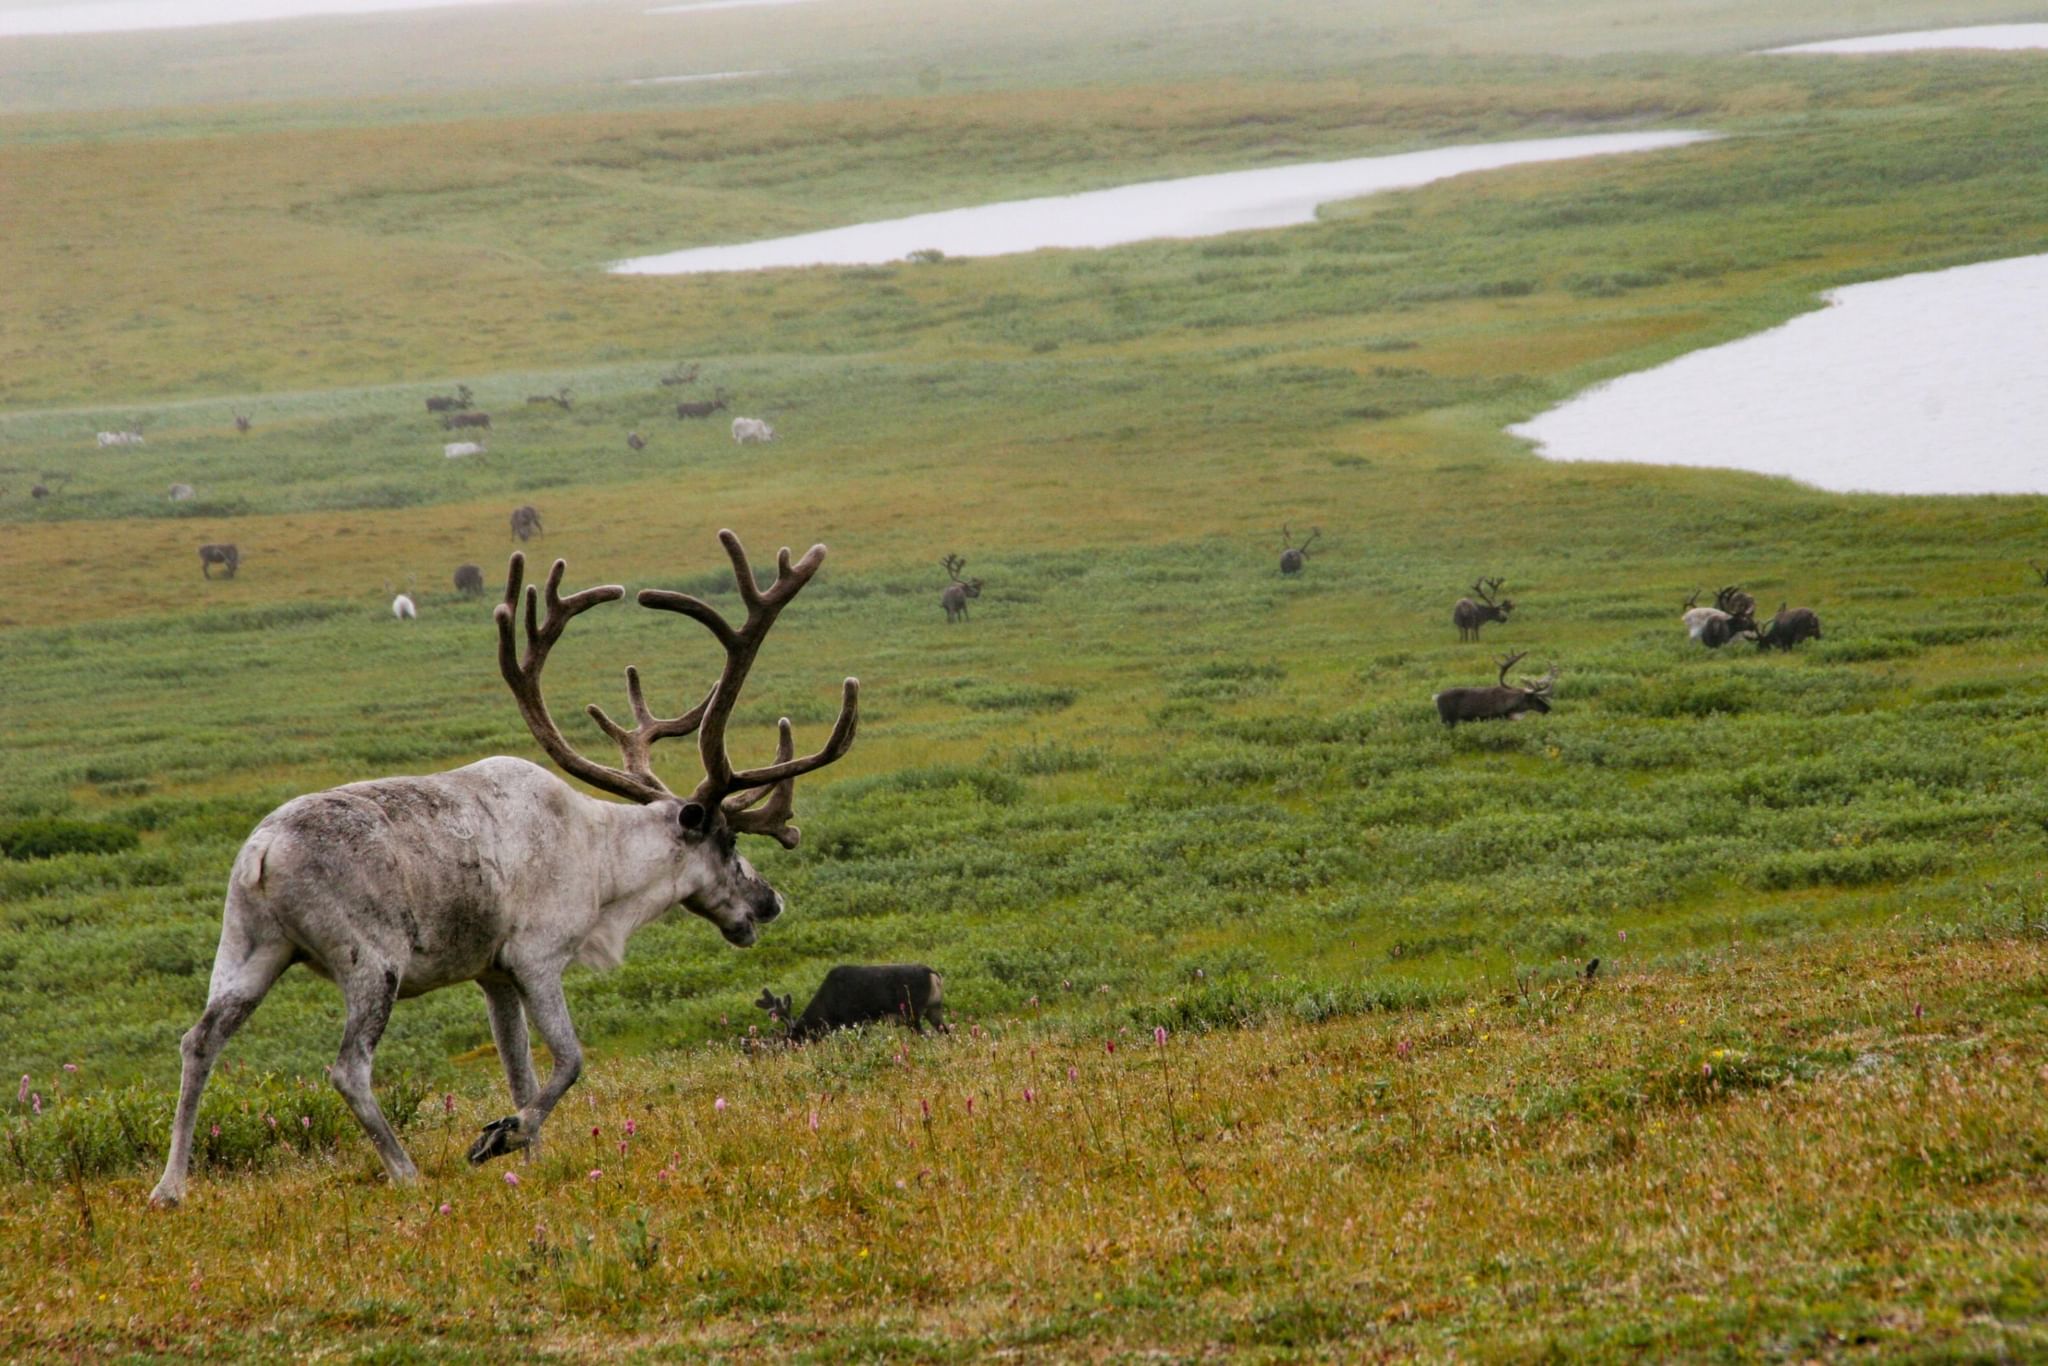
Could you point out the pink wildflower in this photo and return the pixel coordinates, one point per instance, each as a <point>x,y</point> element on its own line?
<point>631,1128</point>
<point>21,1096</point>
<point>1109,1045</point>
<point>1029,1095</point>
<point>595,1130</point>
<point>1159,1035</point>
<point>36,1102</point>
<point>597,1173</point>
<point>925,1106</point>
<point>1624,936</point>
<point>305,1121</point>
<point>511,1178</point>
<point>622,1147</point>
<point>1403,1048</point>
<point>70,1067</point>
<point>1072,1074</point>
<point>447,1209</point>
<point>970,1105</point>
<point>814,1121</point>
<point>216,1131</point>
<point>719,1105</point>
<point>448,1103</point>
<point>271,1120</point>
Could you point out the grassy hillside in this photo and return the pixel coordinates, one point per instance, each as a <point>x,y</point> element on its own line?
<point>1151,784</point>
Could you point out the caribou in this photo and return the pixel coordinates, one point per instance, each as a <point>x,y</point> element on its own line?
<point>1295,556</point>
<point>455,450</point>
<point>1788,628</point>
<point>129,438</point>
<point>469,580</point>
<point>681,374</point>
<point>635,441</point>
<point>227,556</point>
<point>1732,615</point>
<point>1468,616</point>
<point>857,994</point>
<point>526,521</point>
<point>181,493</point>
<point>560,398</point>
<point>1504,701</point>
<point>441,403</point>
<point>751,429</point>
<point>954,599</point>
<point>455,420</point>
<point>242,423</point>
<point>704,407</point>
<point>502,874</point>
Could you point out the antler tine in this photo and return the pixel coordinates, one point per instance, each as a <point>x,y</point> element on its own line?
<point>772,818</point>
<point>1509,663</point>
<point>635,745</point>
<point>522,675</point>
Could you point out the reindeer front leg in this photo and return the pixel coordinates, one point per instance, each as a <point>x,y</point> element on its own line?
<point>548,1009</point>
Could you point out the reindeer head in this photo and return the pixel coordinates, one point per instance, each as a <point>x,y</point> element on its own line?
<point>1535,691</point>
<point>779,1009</point>
<point>1293,556</point>
<point>953,564</point>
<point>695,834</point>
<point>1484,589</point>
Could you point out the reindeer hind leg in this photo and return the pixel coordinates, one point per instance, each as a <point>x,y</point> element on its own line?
<point>243,973</point>
<point>370,992</point>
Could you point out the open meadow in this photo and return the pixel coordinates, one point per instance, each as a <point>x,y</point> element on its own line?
<point>1274,1034</point>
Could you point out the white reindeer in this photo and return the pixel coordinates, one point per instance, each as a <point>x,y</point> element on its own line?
<point>121,439</point>
<point>455,450</point>
<point>746,429</point>
<point>402,606</point>
<point>502,874</point>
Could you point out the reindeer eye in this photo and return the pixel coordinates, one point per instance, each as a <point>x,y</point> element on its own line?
<point>693,816</point>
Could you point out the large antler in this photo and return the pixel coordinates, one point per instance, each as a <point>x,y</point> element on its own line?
<point>1541,686</point>
<point>953,564</point>
<point>1508,663</point>
<point>1313,532</point>
<point>522,673</point>
<point>774,784</point>
<point>1486,588</point>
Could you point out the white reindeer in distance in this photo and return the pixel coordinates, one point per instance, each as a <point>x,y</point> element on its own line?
<point>500,873</point>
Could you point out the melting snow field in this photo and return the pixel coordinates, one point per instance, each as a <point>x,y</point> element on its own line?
<point>1197,206</point>
<point>2003,37</point>
<point>1933,383</point>
<point>127,16</point>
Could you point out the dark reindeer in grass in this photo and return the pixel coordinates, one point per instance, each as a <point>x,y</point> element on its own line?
<point>680,375</point>
<point>242,423</point>
<point>224,555</point>
<point>469,580</point>
<point>1788,628</point>
<point>636,441</point>
<point>443,403</point>
<point>560,398</point>
<point>455,421</point>
<point>1295,556</point>
<point>526,521</point>
<point>954,599</point>
<point>1504,701</point>
<point>1468,616</point>
<point>704,407</point>
<point>863,994</point>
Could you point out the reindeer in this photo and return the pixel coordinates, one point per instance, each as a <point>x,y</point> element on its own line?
<point>42,491</point>
<point>1295,556</point>
<point>680,375</point>
<point>402,606</point>
<point>469,580</point>
<point>954,599</point>
<point>1468,616</point>
<point>636,441</point>
<point>1732,616</point>
<point>1504,701</point>
<point>223,554</point>
<point>526,521</point>
<point>1788,628</point>
<point>502,874</point>
<point>560,398</point>
<point>439,403</point>
<point>862,994</point>
<point>181,493</point>
<point>242,423</point>
<point>704,407</point>
<point>456,420</point>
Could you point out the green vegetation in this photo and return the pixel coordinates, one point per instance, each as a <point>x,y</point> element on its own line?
<point>1150,784</point>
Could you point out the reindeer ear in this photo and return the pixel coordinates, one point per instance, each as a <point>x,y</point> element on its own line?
<point>693,816</point>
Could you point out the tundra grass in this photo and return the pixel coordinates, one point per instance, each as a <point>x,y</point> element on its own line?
<point>1831,1151</point>
<point>1150,783</point>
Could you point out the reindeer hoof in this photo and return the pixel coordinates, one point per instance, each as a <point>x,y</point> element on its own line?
<point>496,1140</point>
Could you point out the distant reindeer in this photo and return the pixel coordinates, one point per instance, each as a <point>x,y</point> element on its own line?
<point>224,555</point>
<point>704,407</point>
<point>1732,616</point>
<point>747,430</point>
<point>560,398</point>
<point>131,437</point>
<point>402,606</point>
<point>242,423</point>
<point>469,580</point>
<point>1502,702</point>
<point>439,403</point>
<point>526,521</point>
<point>636,441</point>
<point>954,599</point>
<point>455,420</point>
<point>863,994</point>
<point>39,491</point>
<point>1788,628</point>
<point>180,493</point>
<point>680,375</point>
<point>456,450</point>
<point>1468,616</point>
<point>1295,556</point>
